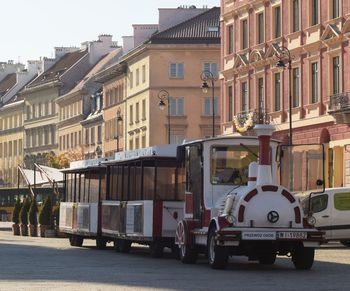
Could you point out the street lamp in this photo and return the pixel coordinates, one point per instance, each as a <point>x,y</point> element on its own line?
<point>285,55</point>
<point>205,77</point>
<point>163,96</point>
<point>119,118</point>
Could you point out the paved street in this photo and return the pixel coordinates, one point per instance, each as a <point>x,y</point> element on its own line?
<point>52,264</point>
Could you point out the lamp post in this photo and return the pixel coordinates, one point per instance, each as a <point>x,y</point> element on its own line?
<point>118,119</point>
<point>163,96</point>
<point>285,55</point>
<point>205,77</point>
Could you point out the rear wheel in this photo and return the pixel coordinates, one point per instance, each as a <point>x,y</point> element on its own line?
<point>303,258</point>
<point>76,240</point>
<point>217,255</point>
<point>187,254</point>
<point>101,243</point>
<point>116,245</point>
<point>345,243</point>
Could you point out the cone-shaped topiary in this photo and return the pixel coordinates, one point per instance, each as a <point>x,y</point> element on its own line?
<point>33,210</point>
<point>45,215</point>
<point>16,210</point>
<point>23,214</point>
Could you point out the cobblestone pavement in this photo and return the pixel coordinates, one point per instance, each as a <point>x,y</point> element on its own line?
<point>52,264</point>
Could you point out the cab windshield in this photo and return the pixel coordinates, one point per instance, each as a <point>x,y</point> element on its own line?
<point>229,164</point>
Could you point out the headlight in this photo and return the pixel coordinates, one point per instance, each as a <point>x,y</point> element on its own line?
<point>231,219</point>
<point>311,220</point>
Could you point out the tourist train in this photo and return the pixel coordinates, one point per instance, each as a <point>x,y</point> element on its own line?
<point>221,196</point>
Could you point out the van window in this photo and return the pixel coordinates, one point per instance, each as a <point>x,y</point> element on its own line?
<point>342,201</point>
<point>319,203</point>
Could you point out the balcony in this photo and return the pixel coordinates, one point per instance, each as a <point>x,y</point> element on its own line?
<point>339,107</point>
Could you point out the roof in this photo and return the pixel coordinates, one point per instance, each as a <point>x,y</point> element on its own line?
<point>61,66</point>
<point>7,83</point>
<point>203,28</point>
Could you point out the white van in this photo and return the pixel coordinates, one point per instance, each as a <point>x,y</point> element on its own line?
<point>331,209</point>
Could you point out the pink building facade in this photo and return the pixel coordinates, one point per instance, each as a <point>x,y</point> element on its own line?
<point>314,36</point>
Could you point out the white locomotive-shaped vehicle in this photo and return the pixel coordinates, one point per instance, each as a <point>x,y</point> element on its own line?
<point>234,205</point>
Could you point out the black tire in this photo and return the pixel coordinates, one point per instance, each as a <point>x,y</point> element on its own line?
<point>124,245</point>
<point>303,258</point>
<point>101,243</point>
<point>345,243</point>
<point>71,241</point>
<point>116,245</point>
<point>217,255</point>
<point>79,241</point>
<point>156,249</point>
<point>187,254</point>
<point>267,258</point>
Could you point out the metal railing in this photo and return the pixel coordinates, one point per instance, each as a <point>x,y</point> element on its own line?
<point>259,116</point>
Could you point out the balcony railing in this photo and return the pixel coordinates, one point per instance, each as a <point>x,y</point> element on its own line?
<point>339,102</point>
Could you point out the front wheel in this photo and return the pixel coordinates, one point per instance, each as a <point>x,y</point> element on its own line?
<point>101,243</point>
<point>303,258</point>
<point>187,254</point>
<point>124,245</point>
<point>217,255</point>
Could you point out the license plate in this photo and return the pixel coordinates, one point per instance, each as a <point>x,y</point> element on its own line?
<point>292,235</point>
<point>259,235</point>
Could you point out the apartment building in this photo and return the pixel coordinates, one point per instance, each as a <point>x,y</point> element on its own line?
<point>311,37</point>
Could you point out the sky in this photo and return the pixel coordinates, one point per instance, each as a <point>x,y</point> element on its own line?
<point>30,29</point>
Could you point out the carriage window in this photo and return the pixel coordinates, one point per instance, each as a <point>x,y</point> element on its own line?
<point>229,164</point>
<point>94,187</point>
<point>166,183</point>
<point>148,183</point>
<point>119,182</point>
<point>69,187</point>
<point>82,188</point>
<point>132,185</point>
<point>103,185</point>
<point>181,184</point>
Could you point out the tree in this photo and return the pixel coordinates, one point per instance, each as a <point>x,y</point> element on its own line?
<point>23,214</point>
<point>45,216</point>
<point>33,210</point>
<point>16,210</point>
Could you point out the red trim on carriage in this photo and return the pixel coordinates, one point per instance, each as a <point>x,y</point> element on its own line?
<point>157,218</point>
<point>269,188</point>
<point>241,213</point>
<point>250,195</point>
<point>297,214</point>
<point>289,196</point>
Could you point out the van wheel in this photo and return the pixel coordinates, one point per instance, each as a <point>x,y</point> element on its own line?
<point>303,258</point>
<point>217,255</point>
<point>345,243</point>
<point>187,254</point>
<point>101,243</point>
<point>267,258</point>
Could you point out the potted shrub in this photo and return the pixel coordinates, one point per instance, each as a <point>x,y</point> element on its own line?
<point>33,219</point>
<point>45,216</point>
<point>15,217</point>
<point>23,217</point>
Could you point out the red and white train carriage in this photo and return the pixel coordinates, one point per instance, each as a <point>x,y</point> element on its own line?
<point>259,219</point>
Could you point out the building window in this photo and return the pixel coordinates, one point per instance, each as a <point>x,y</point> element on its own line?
<point>137,119</point>
<point>177,138</point>
<point>143,73</point>
<point>260,28</point>
<point>208,107</point>
<point>20,147</point>
<point>296,14</point>
<point>314,82</point>
<point>230,35</point>
<point>33,111</point>
<point>177,71</point>
<point>261,102</point>
<point>314,12</point>
<point>335,8</point>
<point>99,135</point>
<point>176,106</point>
<point>336,75</point>
<point>296,87</point>
<point>131,114</point>
<point>137,77</point>
<point>230,103</point>
<point>277,18</point>
<point>86,136</point>
<point>131,80</point>
<point>277,89</point>
<point>143,141</point>
<point>211,67</point>
<point>144,109</point>
<point>244,33</point>
<point>244,96</point>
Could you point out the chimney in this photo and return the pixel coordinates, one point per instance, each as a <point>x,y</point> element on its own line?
<point>264,132</point>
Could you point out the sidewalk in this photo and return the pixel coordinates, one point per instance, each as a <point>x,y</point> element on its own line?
<point>5,225</point>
